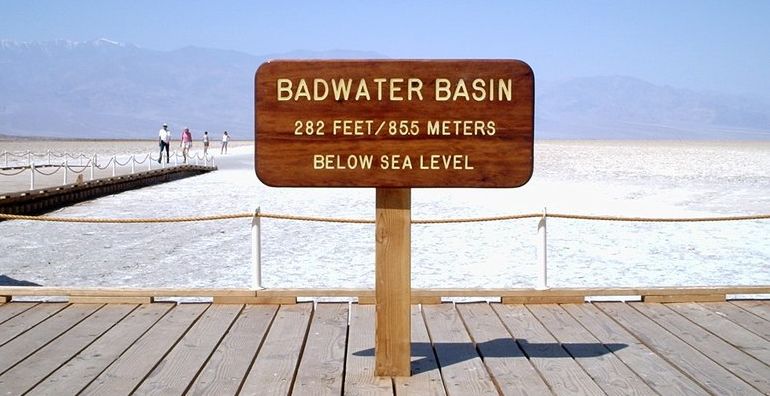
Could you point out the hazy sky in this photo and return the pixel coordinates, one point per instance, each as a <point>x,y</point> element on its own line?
<point>701,44</point>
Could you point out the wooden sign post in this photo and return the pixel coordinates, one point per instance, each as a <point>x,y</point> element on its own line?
<point>394,125</point>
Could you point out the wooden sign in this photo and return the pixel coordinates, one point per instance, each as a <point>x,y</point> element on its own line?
<point>394,123</point>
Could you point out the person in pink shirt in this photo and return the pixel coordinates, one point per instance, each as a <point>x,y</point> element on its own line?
<point>186,143</point>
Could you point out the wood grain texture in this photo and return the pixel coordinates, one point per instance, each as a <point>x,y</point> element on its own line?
<point>39,365</point>
<point>710,375</point>
<point>562,374</point>
<point>425,378</point>
<point>759,308</point>
<point>269,300</point>
<point>741,317</point>
<point>176,371</point>
<point>227,367</point>
<point>393,271</point>
<point>78,372</point>
<point>506,362</point>
<point>461,367</point>
<point>501,159</point>
<point>8,311</point>
<point>663,377</point>
<point>359,363</point>
<point>733,333</point>
<point>736,361</point>
<point>26,319</point>
<point>596,358</point>
<point>321,369</point>
<point>33,339</point>
<point>128,371</point>
<point>276,363</point>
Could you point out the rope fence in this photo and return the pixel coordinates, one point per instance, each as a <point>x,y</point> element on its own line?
<point>368,221</point>
<point>256,239</point>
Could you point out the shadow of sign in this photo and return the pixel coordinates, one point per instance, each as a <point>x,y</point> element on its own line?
<point>8,281</point>
<point>449,353</point>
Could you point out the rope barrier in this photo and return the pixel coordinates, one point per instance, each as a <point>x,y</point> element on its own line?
<point>14,174</point>
<point>367,221</point>
<point>56,170</point>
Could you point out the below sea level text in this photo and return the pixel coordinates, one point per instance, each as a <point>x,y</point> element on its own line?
<point>392,162</point>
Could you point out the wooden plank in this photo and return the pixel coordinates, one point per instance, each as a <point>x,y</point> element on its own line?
<point>27,319</point>
<point>562,374</point>
<point>653,369</point>
<point>506,362</point>
<point>321,369</point>
<point>128,371</point>
<point>737,362</point>
<point>78,372</point>
<point>276,363</point>
<point>725,329</point>
<point>226,368</point>
<point>270,300</point>
<point>8,311</point>
<point>5,299</point>
<point>597,359</point>
<point>39,365</point>
<point>684,298</point>
<point>425,376</point>
<point>363,300</point>
<point>461,366</point>
<point>741,317</point>
<point>393,276</point>
<point>359,364</point>
<point>176,371</point>
<point>28,343</point>
<point>759,308</point>
<point>109,300</point>
<point>542,299</point>
<point>711,376</point>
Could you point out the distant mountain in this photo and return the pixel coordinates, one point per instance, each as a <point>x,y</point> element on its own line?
<point>106,89</point>
<point>629,108</point>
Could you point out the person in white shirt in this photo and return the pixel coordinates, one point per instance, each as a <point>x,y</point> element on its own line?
<point>225,139</point>
<point>164,141</point>
<point>205,143</point>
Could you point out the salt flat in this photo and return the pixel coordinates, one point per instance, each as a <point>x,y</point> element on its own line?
<point>614,178</point>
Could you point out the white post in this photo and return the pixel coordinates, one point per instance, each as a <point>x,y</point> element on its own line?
<point>149,161</point>
<point>256,252</point>
<point>29,158</point>
<point>176,159</point>
<point>542,254</point>
<point>66,166</point>
<point>114,163</point>
<point>49,157</point>
<point>196,159</point>
<point>93,165</point>
<point>6,159</point>
<point>133,161</point>
<point>32,176</point>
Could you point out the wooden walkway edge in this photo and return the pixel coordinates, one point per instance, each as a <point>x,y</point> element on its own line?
<point>328,349</point>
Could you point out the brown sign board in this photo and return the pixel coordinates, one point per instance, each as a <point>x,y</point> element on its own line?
<point>394,123</point>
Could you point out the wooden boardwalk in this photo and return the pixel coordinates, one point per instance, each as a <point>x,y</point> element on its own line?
<point>327,349</point>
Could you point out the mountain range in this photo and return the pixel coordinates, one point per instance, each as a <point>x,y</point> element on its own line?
<point>103,89</point>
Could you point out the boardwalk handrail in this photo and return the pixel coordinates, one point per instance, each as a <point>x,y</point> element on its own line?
<point>92,162</point>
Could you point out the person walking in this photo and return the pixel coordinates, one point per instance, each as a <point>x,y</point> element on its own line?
<point>225,139</point>
<point>164,141</point>
<point>186,144</point>
<point>205,143</point>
